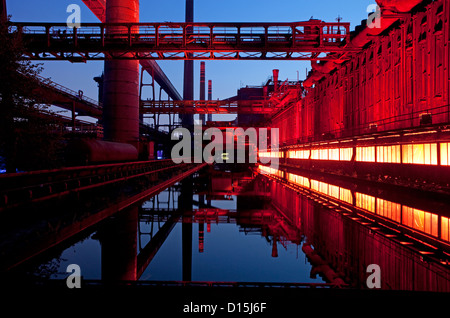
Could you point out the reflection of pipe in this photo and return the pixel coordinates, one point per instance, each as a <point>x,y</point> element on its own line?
<point>118,239</point>
<point>274,247</point>
<point>320,266</point>
<point>201,237</point>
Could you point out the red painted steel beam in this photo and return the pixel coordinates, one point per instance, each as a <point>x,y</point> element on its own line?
<point>172,41</point>
<point>208,107</point>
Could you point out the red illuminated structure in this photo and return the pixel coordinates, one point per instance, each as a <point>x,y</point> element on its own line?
<point>384,114</point>
<point>399,80</point>
<point>309,40</point>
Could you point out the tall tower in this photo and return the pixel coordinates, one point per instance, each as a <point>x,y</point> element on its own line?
<point>121,81</point>
<point>188,84</point>
<point>210,97</point>
<point>202,88</point>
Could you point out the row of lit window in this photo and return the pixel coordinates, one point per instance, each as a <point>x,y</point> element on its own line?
<point>423,221</point>
<point>271,154</point>
<point>338,154</point>
<point>272,171</point>
<point>426,154</point>
<point>445,154</point>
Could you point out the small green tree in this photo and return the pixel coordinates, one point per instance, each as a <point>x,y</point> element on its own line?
<point>28,139</point>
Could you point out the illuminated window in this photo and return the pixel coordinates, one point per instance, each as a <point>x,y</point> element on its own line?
<point>365,154</point>
<point>298,154</point>
<point>388,154</point>
<point>299,180</point>
<point>323,153</point>
<point>315,185</point>
<point>334,154</point>
<point>345,154</point>
<point>420,154</point>
<point>445,155</point>
<point>388,209</point>
<point>333,191</point>
<point>345,195</point>
<point>444,229</point>
<point>272,171</point>
<point>420,220</point>
<point>366,202</point>
<point>271,154</point>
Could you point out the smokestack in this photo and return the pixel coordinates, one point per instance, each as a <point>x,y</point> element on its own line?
<point>275,79</point>
<point>210,97</point>
<point>202,81</point>
<point>202,88</point>
<point>188,85</point>
<point>3,12</point>
<point>209,90</point>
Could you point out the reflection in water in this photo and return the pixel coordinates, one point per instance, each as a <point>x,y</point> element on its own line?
<point>278,226</point>
<point>352,230</point>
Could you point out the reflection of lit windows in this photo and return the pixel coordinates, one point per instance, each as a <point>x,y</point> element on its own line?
<point>445,154</point>
<point>420,154</point>
<point>365,154</point>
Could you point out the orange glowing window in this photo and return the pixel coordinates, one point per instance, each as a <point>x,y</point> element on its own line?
<point>365,154</point>
<point>334,154</point>
<point>298,154</point>
<point>345,154</point>
<point>315,185</point>
<point>366,202</point>
<point>388,209</point>
<point>345,195</point>
<point>420,154</point>
<point>333,191</point>
<point>444,229</point>
<point>323,187</point>
<point>420,220</point>
<point>388,154</point>
<point>299,180</point>
<point>271,154</point>
<point>445,154</point>
<point>272,171</point>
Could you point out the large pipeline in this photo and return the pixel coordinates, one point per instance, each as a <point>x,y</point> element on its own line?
<point>92,151</point>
